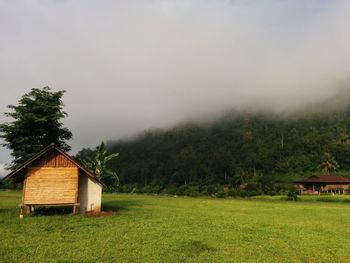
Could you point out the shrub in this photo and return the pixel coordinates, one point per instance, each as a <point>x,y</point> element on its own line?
<point>243,193</point>
<point>255,193</point>
<point>189,190</point>
<point>155,189</point>
<point>126,188</point>
<point>180,190</point>
<point>253,187</point>
<point>136,190</point>
<point>210,189</point>
<point>221,194</point>
<point>147,189</point>
<point>170,190</point>
<point>192,191</point>
<point>292,195</point>
<point>272,193</point>
<point>233,192</point>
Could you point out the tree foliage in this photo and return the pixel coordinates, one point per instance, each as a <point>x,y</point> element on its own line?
<point>36,123</point>
<point>329,164</point>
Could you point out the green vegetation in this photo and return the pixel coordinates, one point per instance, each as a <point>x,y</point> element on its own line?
<point>251,154</point>
<point>97,165</point>
<point>329,164</point>
<point>36,123</point>
<point>169,229</point>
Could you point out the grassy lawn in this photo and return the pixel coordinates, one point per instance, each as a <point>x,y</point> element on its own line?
<point>169,229</point>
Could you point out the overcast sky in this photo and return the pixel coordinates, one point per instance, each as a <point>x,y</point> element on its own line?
<point>133,65</point>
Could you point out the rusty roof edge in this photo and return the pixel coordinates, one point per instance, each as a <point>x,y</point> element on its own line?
<point>324,178</point>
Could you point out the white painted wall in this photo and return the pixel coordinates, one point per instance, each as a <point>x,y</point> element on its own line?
<point>90,193</point>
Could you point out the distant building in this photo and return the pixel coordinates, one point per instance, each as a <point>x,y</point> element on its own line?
<point>53,178</point>
<point>323,184</point>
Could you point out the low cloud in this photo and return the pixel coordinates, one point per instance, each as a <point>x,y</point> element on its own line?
<point>133,65</point>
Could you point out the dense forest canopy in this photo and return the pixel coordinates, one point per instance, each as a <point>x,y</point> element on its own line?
<point>240,150</point>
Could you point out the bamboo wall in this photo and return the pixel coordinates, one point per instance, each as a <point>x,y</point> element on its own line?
<point>51,185</point>
<point>335,187</point>
<point>51,179</point>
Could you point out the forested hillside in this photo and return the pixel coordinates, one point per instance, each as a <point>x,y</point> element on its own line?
<point>241,151</point>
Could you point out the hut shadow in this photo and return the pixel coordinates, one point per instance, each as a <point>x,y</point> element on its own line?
<point>119,205</point>
<point>108,206</point>
<point>52,210</point>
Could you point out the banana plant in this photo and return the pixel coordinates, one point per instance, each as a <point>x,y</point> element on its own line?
<point>97,164</point>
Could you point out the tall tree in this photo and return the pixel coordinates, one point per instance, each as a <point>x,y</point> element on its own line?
<point>36,123</point>
<point>329,164</point>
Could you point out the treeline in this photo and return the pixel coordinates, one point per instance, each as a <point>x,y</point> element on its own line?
<point>240,154</point>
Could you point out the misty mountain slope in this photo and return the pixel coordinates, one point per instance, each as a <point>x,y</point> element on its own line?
<point>260,148</point>
<point>337,103</point>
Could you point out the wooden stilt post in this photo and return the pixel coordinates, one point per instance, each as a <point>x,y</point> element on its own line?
<point>21,211</point>
<point>74,209</point>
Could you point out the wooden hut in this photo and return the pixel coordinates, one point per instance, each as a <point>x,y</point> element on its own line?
<point>323,184</point>
<point>53,178</point>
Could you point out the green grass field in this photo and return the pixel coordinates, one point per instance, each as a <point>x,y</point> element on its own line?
<point>169,229</point>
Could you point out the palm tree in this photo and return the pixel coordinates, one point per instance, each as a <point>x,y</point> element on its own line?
<point>97,164</point>
<point>329,164</point>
